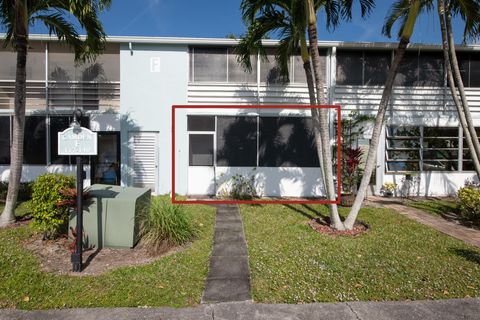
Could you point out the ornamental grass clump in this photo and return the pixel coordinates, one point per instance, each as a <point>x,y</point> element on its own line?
<point>165,225</point>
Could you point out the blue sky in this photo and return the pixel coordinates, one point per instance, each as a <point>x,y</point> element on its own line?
<point>217,18</point>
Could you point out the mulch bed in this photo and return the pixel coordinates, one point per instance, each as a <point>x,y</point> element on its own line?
<point>324,228</point>
<point>54,256</point>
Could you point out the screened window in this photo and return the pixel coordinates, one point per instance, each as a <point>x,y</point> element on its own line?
<point>403,148</point>
<point>474,70</point>
<point>421,69</point>
<point>362,67</point>
<point>467,157</point>
<point>440,148</point>
<point>287,142</point>
<point>201,150</point>
<point>4,140</point>
<point>270,69</point>
<point>35,142</point>
<point>422,148</point>
<point>237,141</point>
<point>201,123</point>
<point>209,64</point>
<point>35,62</point>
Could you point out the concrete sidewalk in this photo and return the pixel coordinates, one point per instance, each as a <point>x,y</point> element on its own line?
<point>453,309</point>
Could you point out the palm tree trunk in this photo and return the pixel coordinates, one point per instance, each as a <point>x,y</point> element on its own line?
<point>451,83</point>
<point>459,82</point>
<point>311,94</point>
<point>320,120</point>
<point>377,129</point>
<point>16,152</point>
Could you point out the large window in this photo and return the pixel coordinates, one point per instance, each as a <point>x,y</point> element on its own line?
<point>209,64</point>
<point>469,64</point>
<point>287,142</point>
<point>237,141</point>
<point>35,142</point>
<point>4,140</point>
<point>422,148</point>
<point>421,69</point>
<point>368,68</point>
<point>251,141</point>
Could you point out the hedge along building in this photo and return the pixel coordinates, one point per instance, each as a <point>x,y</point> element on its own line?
<point>128,93</point>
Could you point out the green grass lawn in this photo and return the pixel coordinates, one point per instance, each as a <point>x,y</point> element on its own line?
<point>434,206</point>
<point>176,280</point>
<point>398,259</point>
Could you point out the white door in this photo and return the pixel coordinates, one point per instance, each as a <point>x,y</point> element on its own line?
<point>144,159</point>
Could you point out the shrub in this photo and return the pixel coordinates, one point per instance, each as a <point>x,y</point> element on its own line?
<point>165,225</point>
<point>48,217</point>
<point>469,198</point>
<point>241,188</point>
<point>24,191</point>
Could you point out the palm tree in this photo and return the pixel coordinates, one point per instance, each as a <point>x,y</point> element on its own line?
<point>320,116</point>
<point>407,11</point>
<point>16,16</point>
<point>471,28</point>
<point>290,18</point>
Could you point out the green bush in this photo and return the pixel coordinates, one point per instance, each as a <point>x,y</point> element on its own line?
<point>165,225</point>
<point>241,188</point>
<point>48,217</point>
<point>469,198</point>
<point>24,192</point>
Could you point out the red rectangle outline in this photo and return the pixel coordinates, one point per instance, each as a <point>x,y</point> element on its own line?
<point>336,107</point>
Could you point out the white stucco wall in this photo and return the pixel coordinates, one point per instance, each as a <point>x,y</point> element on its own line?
<point>153,78</point>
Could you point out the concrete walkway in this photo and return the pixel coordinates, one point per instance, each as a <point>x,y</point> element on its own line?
<point>467,235</point>
<point>229,274</point>
<point>454,309</point>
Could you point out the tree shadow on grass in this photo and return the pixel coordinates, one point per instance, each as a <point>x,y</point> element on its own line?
<point>309,212</point>
<point>468,254</point>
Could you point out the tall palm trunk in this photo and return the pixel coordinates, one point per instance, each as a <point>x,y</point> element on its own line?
<point>380,118</point>
<point>459,83</point>
<point>377,129</point>
<point>16,152</point>
<point>451,83</point>
<point>320,119</point>
<point>311,94</point>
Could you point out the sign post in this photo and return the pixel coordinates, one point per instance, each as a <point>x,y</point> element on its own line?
<point>78,141</point>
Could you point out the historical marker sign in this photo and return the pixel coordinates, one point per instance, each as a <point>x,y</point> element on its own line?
<point>77,141</point>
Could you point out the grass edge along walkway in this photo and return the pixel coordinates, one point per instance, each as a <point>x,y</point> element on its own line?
<point>468,235</point>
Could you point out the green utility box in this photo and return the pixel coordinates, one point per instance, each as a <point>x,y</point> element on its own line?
<point>111,216</point>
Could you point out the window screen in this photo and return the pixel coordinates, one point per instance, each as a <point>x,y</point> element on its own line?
<point>35,143</point>
<point>349,67</point>
<point>475,70</point>
<point>440,148</point>
<point>57,124</point>
<point>35,62</point>
<point>201,150</point>
<point>201,123</point>
<point>464,65</point>
<point>403,148</point>
<point>298,70</point>
<point>237,141</point>
<point>407,74</point>
<point>287,142</point>
<point>236,73</point>
<point>270,70</point>
<point>376,65</point>
<point>4,140</point>
<point>431,70</point>
<point>208,64</point>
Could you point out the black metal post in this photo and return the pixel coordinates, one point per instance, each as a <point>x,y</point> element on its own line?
<point>77,255</point>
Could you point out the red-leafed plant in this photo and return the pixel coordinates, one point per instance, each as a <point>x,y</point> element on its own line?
<point>70,198</point>
<point>353,158</point>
